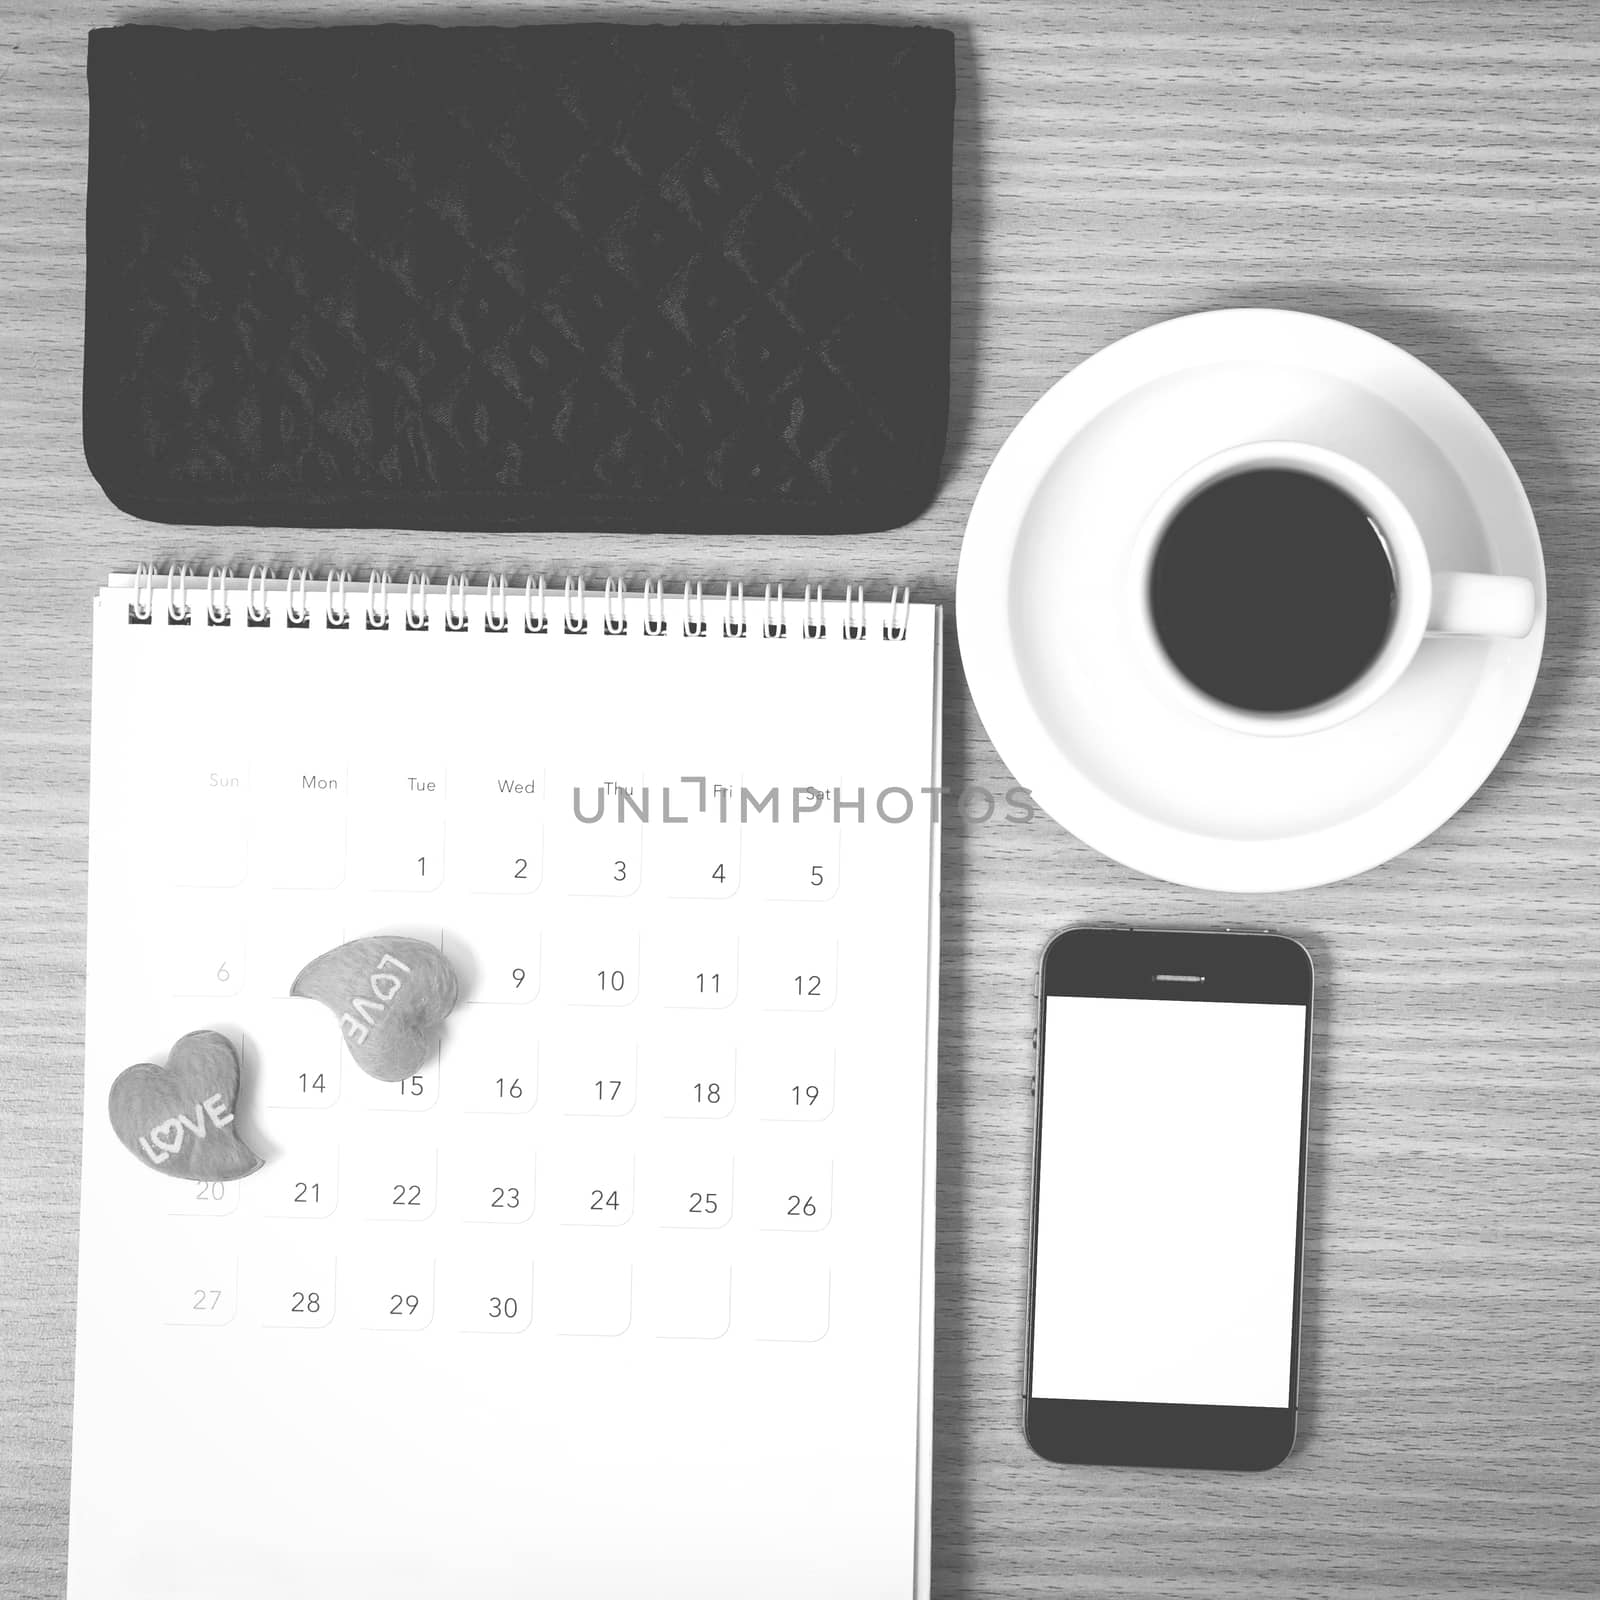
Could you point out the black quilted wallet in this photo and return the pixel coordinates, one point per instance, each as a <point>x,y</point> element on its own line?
<point>691,278</point>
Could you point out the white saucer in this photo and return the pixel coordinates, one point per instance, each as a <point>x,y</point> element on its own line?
<point>1046,651</point>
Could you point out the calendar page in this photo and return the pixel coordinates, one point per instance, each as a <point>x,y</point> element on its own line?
<point>627,1289</point>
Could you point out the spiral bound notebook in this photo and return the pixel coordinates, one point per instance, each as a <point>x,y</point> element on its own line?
<point>652,1312</point>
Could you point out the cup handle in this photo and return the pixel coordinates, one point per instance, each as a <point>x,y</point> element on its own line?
<point>1481,603</point>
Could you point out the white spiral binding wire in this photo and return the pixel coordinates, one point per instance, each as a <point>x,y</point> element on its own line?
<point>496,613</point>
<point>296,612</point>
<point>655,614</point>
<point>816,626</point>
<point>530,622</point>
<point>256,614</point>
<point>141,608</point>
<point>574,619</point>
<point>217,613</point>
<point>378,599</point>
<point>616,620</point>
<point>899,613</point>
<point>339,618</point>
<point>459,592</point>
<point>855,611</point>
<point>178,575</point>
<point>694,611</point>
<point>416,602</point>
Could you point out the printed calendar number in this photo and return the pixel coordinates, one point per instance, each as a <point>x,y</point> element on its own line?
<point>298,1055</point>
<point>511,978</point>
<point>297,1293</point>
<point>197,955</point>
<point>401,1185</point>
<point>498,961</point>
<point>800,863</point>
<point>416,1092</point>
<point>696,863</point>
<point>490,1060</point>
<point>600,969</point>
<point>596,1191</point>
<point>689,1081</point>
<point>801,977</point>
<point>600,857</point>
<point>489,1295</point>
<point>199,1293</point>
<point>399,853</point>
<point>795,1083</point>
<point>696,857</point>
<point>798,1196</point>
<point>601,1080</point>
<point>393,1295</point>
<point>692,1191</point>
<point>491,1180</point>
<point>696,969</point>
<point>196,1199</point>
<point>305,1187</point>
<point>499,861</point>
<point>497,827</point>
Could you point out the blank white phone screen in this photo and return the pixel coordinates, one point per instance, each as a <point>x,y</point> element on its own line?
<point>1169,1185</point>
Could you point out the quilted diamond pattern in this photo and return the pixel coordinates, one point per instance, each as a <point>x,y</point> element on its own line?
<point>578,276</point>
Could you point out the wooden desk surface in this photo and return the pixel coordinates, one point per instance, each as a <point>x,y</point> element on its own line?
<point>1427,170</point>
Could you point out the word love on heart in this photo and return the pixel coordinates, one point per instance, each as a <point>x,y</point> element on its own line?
<point>390,995</point>
<point>179,1119</point>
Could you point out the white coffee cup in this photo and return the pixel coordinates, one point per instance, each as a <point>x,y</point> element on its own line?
<point>1481,604</point>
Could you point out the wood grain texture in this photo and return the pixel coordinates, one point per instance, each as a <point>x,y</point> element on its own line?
<point>1427,170</point>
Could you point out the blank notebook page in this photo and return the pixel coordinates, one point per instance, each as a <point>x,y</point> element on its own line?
<point>627,1290</point>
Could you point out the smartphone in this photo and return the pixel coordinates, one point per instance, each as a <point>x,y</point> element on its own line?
<point>1169,1198</point>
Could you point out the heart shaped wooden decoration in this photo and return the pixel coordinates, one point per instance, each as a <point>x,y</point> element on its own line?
<point>390,995</point>
<point>179,1119</point>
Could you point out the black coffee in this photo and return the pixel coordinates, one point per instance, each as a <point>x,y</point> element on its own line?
<point>1272,590</point>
